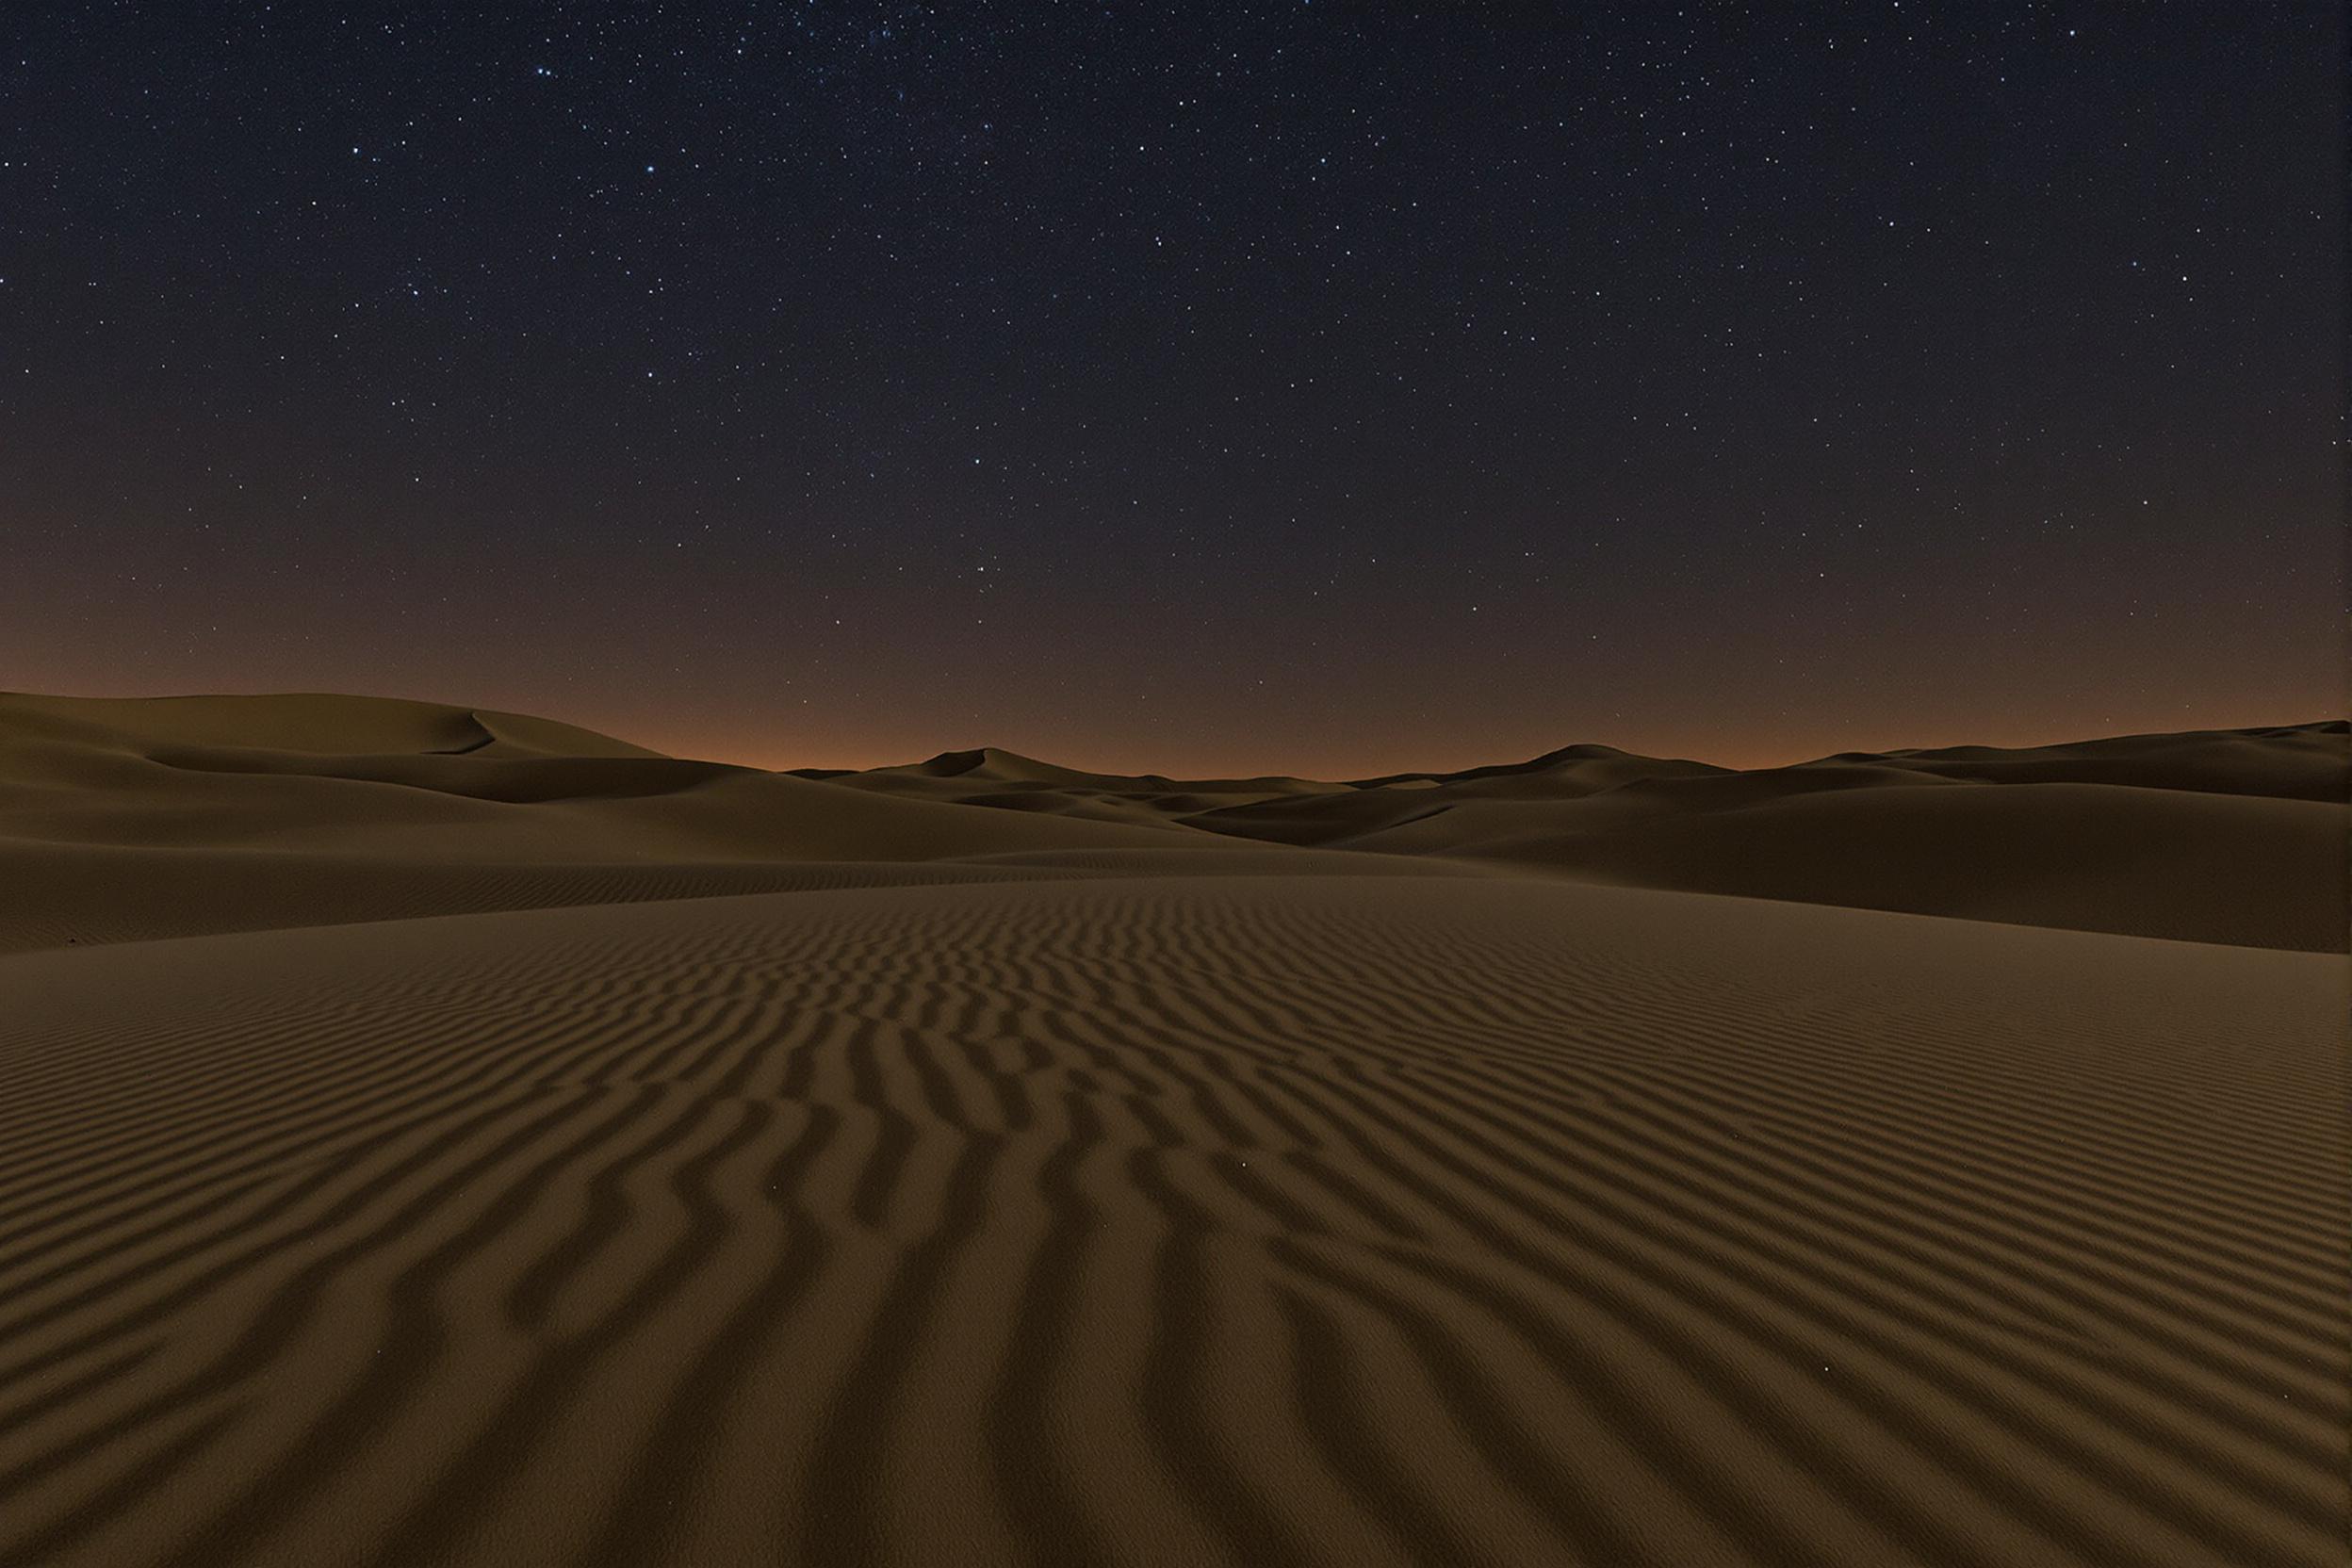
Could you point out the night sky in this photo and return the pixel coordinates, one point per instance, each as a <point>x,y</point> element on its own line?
<point>1211,386</point>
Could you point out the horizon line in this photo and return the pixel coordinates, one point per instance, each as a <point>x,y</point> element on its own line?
<point>2076,739</point>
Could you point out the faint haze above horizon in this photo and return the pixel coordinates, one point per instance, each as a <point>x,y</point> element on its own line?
<point>1228,390</point>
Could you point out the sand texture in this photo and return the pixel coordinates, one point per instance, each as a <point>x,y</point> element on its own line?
<point>440,1137</point>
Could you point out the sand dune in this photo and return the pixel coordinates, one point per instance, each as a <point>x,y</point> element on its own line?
<point>2236,837</point>
<point>2246,870</point>
<point>452,1138</point>
<point>1009,781</point>
<point>2288,762</point>
<point>124,820</point>
<point>310,723</point>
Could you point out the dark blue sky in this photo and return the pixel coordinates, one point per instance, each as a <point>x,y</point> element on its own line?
<point>1317,387</point>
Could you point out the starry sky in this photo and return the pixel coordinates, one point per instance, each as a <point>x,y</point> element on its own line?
<point>1210,386</point>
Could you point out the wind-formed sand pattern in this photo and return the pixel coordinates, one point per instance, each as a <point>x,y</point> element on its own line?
<point>421,1148</point>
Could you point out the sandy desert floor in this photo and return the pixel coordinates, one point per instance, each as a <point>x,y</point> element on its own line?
<point>435,1137</point>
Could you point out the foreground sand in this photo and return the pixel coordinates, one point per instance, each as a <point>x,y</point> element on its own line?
<point>1118,1202</point>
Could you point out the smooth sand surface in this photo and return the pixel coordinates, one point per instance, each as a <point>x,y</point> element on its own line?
<point>596,1158</point>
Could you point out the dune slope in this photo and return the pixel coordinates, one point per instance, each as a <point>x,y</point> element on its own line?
<point>2236,837</point>
<point>122,820</point>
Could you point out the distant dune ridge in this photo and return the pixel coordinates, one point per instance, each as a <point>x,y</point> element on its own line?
<point>2231,836</point>
<point>432,1135</point>
<point>2235,836</point>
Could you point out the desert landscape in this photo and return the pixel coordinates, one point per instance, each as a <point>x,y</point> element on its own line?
<point>441,1136</point>
<point>1241,785</point>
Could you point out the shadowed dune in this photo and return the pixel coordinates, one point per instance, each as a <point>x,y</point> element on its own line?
<point>2287,762</point>
<point>430,1137</point>
<point>2248,871</point>
<point>2236,837</point>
